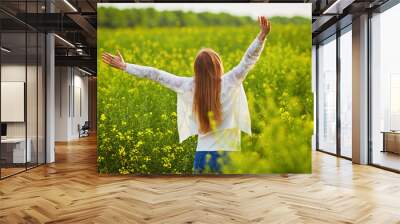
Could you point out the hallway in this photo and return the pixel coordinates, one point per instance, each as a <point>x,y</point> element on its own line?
<point>71,191</point>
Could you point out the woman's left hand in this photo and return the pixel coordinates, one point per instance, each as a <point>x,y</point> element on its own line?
<point>116,61</point>
<point>265,27</point>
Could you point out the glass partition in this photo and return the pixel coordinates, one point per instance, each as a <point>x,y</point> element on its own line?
<point>41,109</point>
<point>14,154</point>
<point>31,99</point>
<point>346,93</point>
<point>327,95</point>
<point>385,89</point>
<point>22,88</point>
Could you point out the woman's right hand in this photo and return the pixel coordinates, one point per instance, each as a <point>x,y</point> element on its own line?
<point>116,61</point>
<point>265,27</point>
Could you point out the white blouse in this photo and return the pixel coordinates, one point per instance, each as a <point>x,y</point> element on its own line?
<point>235,111</point>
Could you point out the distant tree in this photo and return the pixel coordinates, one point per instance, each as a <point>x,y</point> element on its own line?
<point>112,17</point>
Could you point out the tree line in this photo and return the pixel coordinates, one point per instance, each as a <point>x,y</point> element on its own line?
<point>149,17</point>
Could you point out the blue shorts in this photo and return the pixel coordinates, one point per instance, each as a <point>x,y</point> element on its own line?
<point>200,162</point>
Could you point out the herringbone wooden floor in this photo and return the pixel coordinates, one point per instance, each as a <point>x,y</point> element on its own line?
<point>71,191</point>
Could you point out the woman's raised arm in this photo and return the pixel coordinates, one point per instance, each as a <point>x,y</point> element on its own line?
<point>166,79</point>
<point>238,73</point>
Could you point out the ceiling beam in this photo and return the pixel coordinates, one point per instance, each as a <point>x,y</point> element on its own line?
<point>338,6</point>
<point>78,61</point>
<point>83,23</point>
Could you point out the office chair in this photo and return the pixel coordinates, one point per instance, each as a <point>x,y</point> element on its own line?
<point>84,130</point>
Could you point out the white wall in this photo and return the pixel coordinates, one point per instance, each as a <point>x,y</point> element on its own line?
<point>81,84</point>
<point>70,83</point>
<point>62,82</point>
<point>14,73</point>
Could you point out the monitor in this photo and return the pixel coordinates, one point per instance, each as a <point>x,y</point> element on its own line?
<point>3,129</point>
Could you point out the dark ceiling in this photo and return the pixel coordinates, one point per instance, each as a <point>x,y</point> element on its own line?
<point>74,21</point>
<point>332,15</point>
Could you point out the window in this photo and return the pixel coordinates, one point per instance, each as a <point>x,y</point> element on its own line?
<point>327,95</point>
<point>385,89</point>
<point>346,92</point>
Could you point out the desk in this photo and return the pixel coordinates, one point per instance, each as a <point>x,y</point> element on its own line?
<point>391,141</point>
<point>16,147</point>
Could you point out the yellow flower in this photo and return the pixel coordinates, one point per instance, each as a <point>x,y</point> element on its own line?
<point>149,131</point>
<point>139,143</point>
<point>102,117</point>
<point>122,151</point>
<point>166,162</point>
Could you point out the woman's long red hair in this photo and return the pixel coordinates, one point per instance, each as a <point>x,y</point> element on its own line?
<point>208,70</point>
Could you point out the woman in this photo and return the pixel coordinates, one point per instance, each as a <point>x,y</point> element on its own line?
<point>212,105</point>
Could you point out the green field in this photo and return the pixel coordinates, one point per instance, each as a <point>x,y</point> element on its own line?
<point>137,130</point>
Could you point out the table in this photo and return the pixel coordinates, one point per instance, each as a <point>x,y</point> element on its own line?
<point>391,141</point>
<point>16,147</point>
